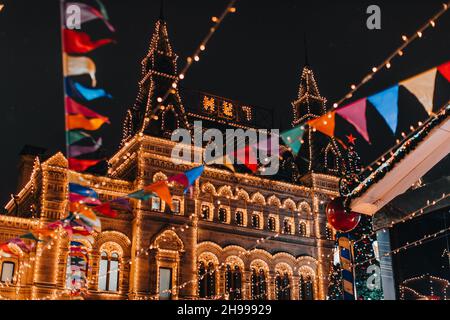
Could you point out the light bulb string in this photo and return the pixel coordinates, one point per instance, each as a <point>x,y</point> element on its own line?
<point>425,239</point>
<point>421,126</point>
<point>190,60</point>
<point>417,213</point>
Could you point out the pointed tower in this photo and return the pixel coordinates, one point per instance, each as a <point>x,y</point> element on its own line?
<point>159,71</point>
<point>309,105</point>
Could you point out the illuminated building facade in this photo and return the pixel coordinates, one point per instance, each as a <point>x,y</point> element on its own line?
<point>239,236</point>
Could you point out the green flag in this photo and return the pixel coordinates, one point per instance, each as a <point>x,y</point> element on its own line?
<point>293,138</point>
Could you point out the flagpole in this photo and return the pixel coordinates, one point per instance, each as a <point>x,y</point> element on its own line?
<point>66,125</point>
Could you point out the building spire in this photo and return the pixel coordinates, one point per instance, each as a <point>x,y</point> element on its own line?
<point>159,70</point>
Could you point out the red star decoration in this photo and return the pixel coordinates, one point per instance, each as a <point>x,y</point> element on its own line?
<point>351,139</point>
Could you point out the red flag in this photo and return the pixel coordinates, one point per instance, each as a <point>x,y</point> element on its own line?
<point>81,165</point>
<point>80,42</point>
<point>80,232</point>
<point>180,178</point>
<point>248,157</point>
<point>74,107</point>
<point>106,210</point>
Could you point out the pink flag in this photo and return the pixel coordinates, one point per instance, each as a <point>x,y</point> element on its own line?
<point>89,13</point>
<point>75,150</point>
<point>355,113</point>
<point>74,107</point>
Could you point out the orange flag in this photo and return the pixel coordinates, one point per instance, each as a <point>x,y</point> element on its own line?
<point>78,121</point>
<point>162,190</point>
<point>324,124</point>
<point>82,209</point>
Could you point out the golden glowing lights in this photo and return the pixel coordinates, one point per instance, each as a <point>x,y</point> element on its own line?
<point>398,52</point>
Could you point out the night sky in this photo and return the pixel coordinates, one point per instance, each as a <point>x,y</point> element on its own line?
<point>255,57</point>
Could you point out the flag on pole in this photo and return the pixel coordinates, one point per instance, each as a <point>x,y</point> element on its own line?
<point>76,42</point>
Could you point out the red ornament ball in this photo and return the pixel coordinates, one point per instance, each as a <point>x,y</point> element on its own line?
<point>338,218</point>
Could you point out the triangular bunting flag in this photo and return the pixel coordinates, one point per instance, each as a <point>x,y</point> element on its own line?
<point>179,178</point>
<point>355,114</point>
<point>293,138</point>
<point>422,86</point>
<point>228,163</point>
<point>324,124</point>
<point>106,210</point>
<point>386,103</point>
<point>194,174</point>
<point>444,69</point>
<point>248,157</point>
<point>141,195</point>
<point>74,107</point>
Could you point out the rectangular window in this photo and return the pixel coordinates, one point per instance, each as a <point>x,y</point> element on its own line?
<point>165,283</point>
<point>176,206</point>
<point>156,204</point>
<point>113,275</point>
<point>7,271</point>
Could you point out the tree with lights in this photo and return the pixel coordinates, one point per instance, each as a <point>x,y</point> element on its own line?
<point>335,283</point>
<point>364,257</point>
<point>362,237</point>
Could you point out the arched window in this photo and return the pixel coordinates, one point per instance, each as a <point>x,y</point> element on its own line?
<point>156,204</point>
<point>176,206</point>
<point>233,282</point>
<point>108,274</point>
<point>282,287</point>
<point>8,271</point>
<point>272,224</point>
<point>302,229</point>
<point>287,228</point>
<point>258,281</point>
<point>306,288</point>
<point>255,221</point>
<point>201,280</point>
<point>222,215</point>
<point>205,212</point>
<point>207,280</point>
<point>239,218</point>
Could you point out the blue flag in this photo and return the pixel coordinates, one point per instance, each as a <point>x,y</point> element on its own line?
<point>386,103</point>
<point>83,191</point>
<point>78,91</point>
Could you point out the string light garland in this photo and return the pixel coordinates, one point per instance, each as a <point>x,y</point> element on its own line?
<point>443,282</point>
<point>407,246</point>
<point>387,63</point>
<point>417,213</point>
